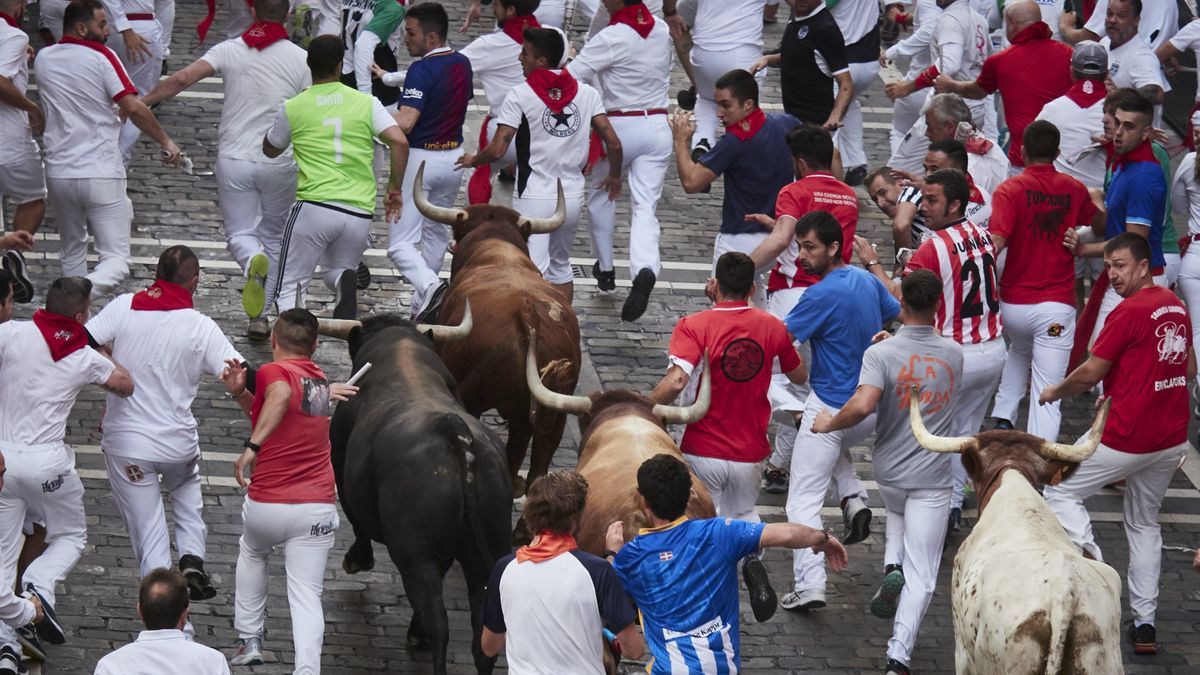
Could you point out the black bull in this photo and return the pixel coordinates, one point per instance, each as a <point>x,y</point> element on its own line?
<point>418,474</point>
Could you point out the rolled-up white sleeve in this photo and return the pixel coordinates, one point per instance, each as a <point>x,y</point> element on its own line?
<point>280,133</point>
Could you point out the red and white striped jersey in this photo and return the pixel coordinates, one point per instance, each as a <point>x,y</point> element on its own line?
<point>964,256</point>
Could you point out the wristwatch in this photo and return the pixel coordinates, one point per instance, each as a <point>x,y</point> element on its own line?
<point>253,447</point>
<point>609,554</point>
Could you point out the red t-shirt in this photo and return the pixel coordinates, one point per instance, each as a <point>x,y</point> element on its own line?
<point>964,257</point>
<point>1146,337</point>
<point>814,192</point>
<point>1032,211</point>
<point>293,466</point>
<point>1029,74</point>
<point>742,344</point>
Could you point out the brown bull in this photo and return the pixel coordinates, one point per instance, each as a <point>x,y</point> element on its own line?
<point>1024,599</point>
<point>621,429</point>
<point>510,299</point>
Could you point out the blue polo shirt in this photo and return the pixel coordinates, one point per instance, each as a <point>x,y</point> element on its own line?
<point>838,316</point>
<point>755,171</point>
<point>1138,194</point>
<point>438,85</point>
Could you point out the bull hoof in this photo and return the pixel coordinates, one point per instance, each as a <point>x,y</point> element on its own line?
<point>353,565</point>
<point>417,639</point>
<point>521,535</point>
<point>518,486</point>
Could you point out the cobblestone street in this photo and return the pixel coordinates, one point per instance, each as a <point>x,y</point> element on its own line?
<point>367,614</point>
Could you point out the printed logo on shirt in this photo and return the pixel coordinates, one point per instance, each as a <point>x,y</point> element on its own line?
<point>414,93</point>
<point>1055,330</point>
<point>665,556</point>
<point>802,32</point>
<point>316,397</point>
<point>1172,343</point>
<point>53,484</point>
<point>742,359</point>
<point>934,378</point>
<point>134,473</point>
<point>563,124</point>
<point>322,529</point>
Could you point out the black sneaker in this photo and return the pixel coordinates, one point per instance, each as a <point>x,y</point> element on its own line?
<point>775,481</point>
<point>362,280</point>
<point>14,262</point>
<point>606,282</point>
<point>955,520</point>
<point>199,585</point>
<point>894,667</point>
<point>1002,425</point>
<point>639,296</point>
<point>345,305</point>
<point>48,629</point>
<point>434,306</point>
<point>855,175</point>
<point>10,661</point>
<point>702,148</point>
<point>857,516</point>
<point>1144,638</point>
<point>30,643</point>
<point>762,597</point>
<point>686,98</point>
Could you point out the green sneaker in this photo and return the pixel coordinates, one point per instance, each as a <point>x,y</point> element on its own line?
<point>254,293</point>
<point>883,605</point>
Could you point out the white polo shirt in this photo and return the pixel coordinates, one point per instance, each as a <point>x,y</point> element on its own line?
<point>36,392</point>
<point>494,60</point>
<point>16,139</point>
<point>1134,65</point>
<point>79,86</point>
<point>1159,20</point>
<point>556,146</point>
<point>257,82</point>
<point>1077,153</point>
<point>722,25</point>
<point>166,353</point>
<point>1188,38</point>
<point>163,651</point>
<point>633,72</point>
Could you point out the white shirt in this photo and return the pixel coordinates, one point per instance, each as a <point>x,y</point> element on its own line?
<point>1078,156</point>
<point>79,87</point>
<point>16,139</point>
<point>166,354</point>
<point>257,82</point>
<point>558,144</point>
<point>494,60</point>
<point>722,25</point>
<point>960,42</point>
<point>1134,65</point>
<point>36,392</point>
<point>633,72</point>
<point>1187,38</point>
<point>855,18</point>
<point>1185,192</point>
<point>990,169</point>
<point>163,651</point>
<point>1158,23</point>
<point>117,12</point>
<point>917,47</point>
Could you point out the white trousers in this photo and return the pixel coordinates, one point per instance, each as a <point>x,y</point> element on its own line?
<point>136,489</point>
<point>982,365</point>
<point>783,393</point>
<point>708,67</point>
<point>916,532</point>
<point>818,460</point>
<point>904,116</point>
<point>1172,262</point>
<point>645,149</point>
<point>849,138</point>
<point>441,181</point>
<point>732,485</point>
<point>1147,477</point>
<point>1040,338</point>
<point>40,484</point>
<point>1189,287</point>
<point>98,206</point>
<point>306,532</point>
<point>743,243</point>
<point>144,74</point>
<point>316,234</point>
<point>255,198</point>
<point>552,252</point>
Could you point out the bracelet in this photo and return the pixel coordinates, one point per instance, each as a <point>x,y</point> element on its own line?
<point>252,446</point>
<point>874,262</point>
<point>609,553</point>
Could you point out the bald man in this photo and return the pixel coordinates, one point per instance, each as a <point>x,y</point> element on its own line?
<point>1035,70</point>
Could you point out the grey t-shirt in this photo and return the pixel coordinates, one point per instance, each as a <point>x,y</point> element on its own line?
<point>915,355</point>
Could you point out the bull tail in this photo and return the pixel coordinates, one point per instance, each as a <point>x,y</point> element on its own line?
<point>1062,612</point>
<point>454,429</point>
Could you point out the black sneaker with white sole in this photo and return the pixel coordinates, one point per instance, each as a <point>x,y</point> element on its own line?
<point>14,263</point>
<point>894,667</point>
<point>434,307</point>
<point>1144,638</point>
<point>606,282</point>
<point>199,585</point>
<point>639,296</point>
<point>346,304</point>
<point>10,661</point>
<point>686,98</point>
<point>48,629</point>
<point>758,585</point>
<point>858,520</point>
<point>855,175</point>
<point>30,643</point>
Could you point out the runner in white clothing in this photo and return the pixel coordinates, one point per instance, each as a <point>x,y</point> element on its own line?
<point>86,92</point>
<point>630,60</point>
<point>913,51</point>
<point>859,23</point>
<point>167,347</point>
<point>261,69</point>
<point>44,364</point>
<point>137,38</point>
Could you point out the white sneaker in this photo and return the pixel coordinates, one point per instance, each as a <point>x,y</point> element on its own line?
<point>249,653</point>
<point>803,601</point>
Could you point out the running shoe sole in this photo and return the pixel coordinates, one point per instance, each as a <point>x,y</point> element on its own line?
<point>763,600</point>
<point>23,289</point>
<point>346,306</point>
<point>48,629</point>
<point>254,293</point>
<point>639,296</point>
<point>860,528</point>
<point>883,605</point>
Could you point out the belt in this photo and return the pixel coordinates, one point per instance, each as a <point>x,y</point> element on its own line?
<point>1195,237</point>
<point>140,17</point>
<point>636,113</point>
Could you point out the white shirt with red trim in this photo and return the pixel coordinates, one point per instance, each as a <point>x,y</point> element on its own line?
<point>79,87</point>
<point>16,139</point>
<point>118,12</point>
<point>633,73</point>
<point>556,146</point>
<point>964,256</point>
<point>494,60</point>
<point>815,192</point>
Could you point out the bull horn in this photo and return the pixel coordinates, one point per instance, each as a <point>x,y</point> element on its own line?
<point>676,414</point>
<point>547,225</point>
<point>929,441</point>
<point>451,333</point>
<point>1080,451</point>
<point>337,328</point>
<point>576,405</point>
<point>442,214</point>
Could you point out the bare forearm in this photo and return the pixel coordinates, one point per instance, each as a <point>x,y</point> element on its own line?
<point>399,155</point>
<point>145,121</point>
<point>768,250</point>
<point>850,415</point>
<point>969,90</point>
<point>841,104</point>
<point>269,418</point>
<point>10,95</point>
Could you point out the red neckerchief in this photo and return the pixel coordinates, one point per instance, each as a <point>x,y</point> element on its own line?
<point>263,34</point>
<point>1038,31</point>
<point>548,545</point>
<point>636,17</point>
<point>974,195</point>
<point>1142,153</point>
<point>556,89</point>
<point>749,125</point>
<point>1085,93</point>
<point>162,296</point>
<point>514,27</point>
<point>977,144</point>
<point>63,335</point>
<point>10,20</point>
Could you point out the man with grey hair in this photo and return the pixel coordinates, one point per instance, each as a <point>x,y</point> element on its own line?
<point>949,117</point>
